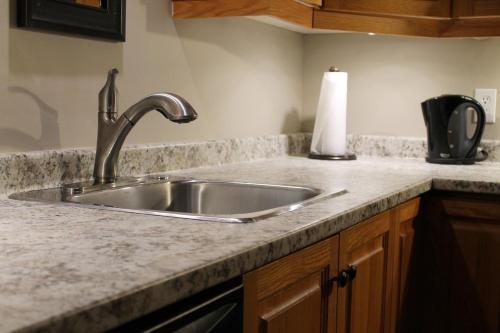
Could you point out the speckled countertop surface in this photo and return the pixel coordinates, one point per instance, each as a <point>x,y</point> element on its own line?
<point>72,269</point>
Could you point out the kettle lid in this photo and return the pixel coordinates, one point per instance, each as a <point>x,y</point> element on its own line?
<point>449,97</point>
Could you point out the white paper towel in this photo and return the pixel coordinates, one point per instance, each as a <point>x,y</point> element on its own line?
<point>329,136</point>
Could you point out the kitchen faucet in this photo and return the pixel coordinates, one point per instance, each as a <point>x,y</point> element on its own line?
<point>112,130</point>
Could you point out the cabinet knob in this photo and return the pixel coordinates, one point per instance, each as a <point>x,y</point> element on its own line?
<point>351,272</point>
<point>346,275</point>
<point>342,279</point>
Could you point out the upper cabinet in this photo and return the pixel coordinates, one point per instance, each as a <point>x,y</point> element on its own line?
<point>471,8</point>
<point>430,8</point>
<point>431,18</point>
<point>293,11</point>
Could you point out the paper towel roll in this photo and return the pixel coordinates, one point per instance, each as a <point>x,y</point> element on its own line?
<point>329,136</point>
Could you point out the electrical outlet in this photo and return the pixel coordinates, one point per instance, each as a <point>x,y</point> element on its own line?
<point>488,99</point>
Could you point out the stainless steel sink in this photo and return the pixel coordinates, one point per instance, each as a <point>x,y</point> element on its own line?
<point>186,198</point>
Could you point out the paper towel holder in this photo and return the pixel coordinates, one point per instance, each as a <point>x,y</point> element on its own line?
<point>346,157</point>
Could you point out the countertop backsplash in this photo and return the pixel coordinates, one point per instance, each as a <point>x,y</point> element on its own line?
<point>42,169</point>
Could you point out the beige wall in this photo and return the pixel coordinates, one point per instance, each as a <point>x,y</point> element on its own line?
<point>390,76</point>
<point>243,77</point>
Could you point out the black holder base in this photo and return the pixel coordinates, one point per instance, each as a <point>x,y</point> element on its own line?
<point>346,157</point>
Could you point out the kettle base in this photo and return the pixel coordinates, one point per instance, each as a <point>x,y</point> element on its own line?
<point>462,161</point>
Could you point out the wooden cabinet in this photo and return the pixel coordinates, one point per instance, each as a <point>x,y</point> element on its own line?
<point>363,303</point>
<point>293,294</point>
<point>345,284</point>
<point>461,264</point>
<point>432,18</point>
<point>405,274</point>
<point>293,11</point>
<point>381,249</point>
<point>427,8</point>
<point>475,8</point>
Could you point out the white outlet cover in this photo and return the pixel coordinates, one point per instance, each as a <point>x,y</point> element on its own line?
<point>488,99</point>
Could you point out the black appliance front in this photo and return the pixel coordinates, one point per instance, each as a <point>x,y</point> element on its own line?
<point>216,310</point>
<point>446,119</point>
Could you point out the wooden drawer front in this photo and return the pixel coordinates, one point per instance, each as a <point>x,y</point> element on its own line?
<point>469,207</point>
<point>434,8</point>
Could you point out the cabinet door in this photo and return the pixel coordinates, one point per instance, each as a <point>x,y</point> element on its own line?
<point>434,8</point>
<point>475,264</point>
<point>293,294</point>
<point>467,8</point>
<point>462,277</point>
<point>405,280</point>
<point>363,304</point>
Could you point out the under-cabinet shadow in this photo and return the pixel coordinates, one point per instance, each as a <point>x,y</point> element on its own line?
<point>49,137</point>
<point>291,123</point>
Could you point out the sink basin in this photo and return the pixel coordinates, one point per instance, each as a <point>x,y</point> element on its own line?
<point>187,198</point>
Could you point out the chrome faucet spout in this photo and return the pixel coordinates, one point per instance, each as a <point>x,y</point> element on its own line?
<point>171,106</point>
<point>113,130</point>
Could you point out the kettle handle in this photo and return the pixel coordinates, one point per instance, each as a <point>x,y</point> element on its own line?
<point>481,120</point>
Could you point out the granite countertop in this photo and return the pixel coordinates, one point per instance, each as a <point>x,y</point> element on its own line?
<point>72,269</point>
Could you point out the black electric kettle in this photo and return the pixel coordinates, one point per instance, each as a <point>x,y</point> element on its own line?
<point>447,139</point>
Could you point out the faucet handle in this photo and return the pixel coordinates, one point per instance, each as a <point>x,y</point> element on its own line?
<point>108,95</point>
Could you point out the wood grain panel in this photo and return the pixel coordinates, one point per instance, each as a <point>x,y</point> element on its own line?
<point>468,8</point>
<point>403,312</point>
<point>363,303</point>
<point>289,10</point>
<point>461,264</point>
<point>379,24</point>
<point>475,288</point>
<point>292,11</point>
<point>315,3</point>
<point>295,309</point>
<point>293,294</point>
<point>426,8</point>
<point>471,208</point>
<point>430,18</point>
<point>291,268</point>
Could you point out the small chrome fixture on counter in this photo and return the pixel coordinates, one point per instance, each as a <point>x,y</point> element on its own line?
<point>329,141</point>
<point>112,130</point>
